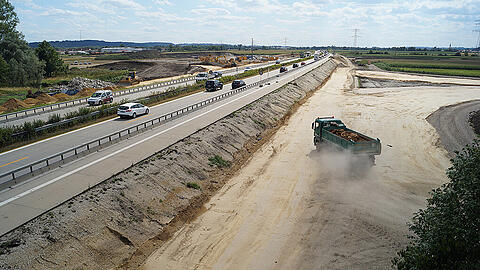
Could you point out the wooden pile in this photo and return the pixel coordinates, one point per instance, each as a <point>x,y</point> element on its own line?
<point>348,135</point>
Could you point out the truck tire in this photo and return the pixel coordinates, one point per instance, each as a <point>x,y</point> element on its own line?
<point>371,160</point>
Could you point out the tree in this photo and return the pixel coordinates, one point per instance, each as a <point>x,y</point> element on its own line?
<point>447,232</point>
<point>50,57</point>
<point>24,68</point>
<point>8,19</point>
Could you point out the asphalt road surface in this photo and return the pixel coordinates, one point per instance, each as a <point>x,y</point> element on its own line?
<point>22,156</point>
<point>31,198</point>
<point>45,115</point>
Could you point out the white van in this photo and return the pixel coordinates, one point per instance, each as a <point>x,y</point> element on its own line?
<point>100,97</point>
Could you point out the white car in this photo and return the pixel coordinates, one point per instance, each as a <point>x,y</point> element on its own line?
<point>132,110</point>
<point>202,76</point>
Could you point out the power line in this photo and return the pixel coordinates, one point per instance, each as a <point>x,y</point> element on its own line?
<point>252,48</point>
<point>477,26</point>
<point>355,37</point>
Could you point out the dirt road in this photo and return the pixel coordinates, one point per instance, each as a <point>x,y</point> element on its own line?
<point>291,207</point>
<point>458,132</point>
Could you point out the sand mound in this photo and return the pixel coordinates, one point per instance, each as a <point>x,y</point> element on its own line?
<point>62,97</point>
<point>3,109</point>
<point>32,101</point>
<point>86,92</point>
<point>14,104</point>
<point>46,98</point>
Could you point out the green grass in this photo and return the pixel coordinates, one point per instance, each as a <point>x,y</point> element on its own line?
<point>90,73</point>
<point>439,71</point>
<point>445,64</point>
<point>193,185</point>
<point>266,52</point>
<point>438,68</point>
<point>7,93</point>
<point>426,62</point>
<point>219,162</point>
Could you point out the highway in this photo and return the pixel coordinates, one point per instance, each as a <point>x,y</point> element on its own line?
<point>22,156</point>
<point>45,115</point>
<point>35,196</point>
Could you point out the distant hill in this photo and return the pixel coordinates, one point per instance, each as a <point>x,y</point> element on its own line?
<point>99,43</point>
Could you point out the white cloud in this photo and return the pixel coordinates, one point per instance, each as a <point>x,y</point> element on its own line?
<point>163,3</point>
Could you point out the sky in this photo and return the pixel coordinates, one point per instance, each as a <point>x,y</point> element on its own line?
<point>269,22</point>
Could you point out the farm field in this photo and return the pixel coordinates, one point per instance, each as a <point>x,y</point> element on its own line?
<point>439,63</point>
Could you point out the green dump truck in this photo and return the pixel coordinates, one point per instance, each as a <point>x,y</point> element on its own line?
<point>332,132</point>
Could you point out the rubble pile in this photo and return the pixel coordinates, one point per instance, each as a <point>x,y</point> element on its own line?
<point>78,83</point>
<point>348,135</point>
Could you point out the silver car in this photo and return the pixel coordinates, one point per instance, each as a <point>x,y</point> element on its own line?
<point>132,110</point>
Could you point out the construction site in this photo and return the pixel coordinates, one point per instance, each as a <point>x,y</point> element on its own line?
<point>239,135</point>
<point>261,210</point>
<point>146,67</point>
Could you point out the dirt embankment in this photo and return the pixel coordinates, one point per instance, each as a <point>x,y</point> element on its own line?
<point>155,69</point>
<point>292,207</point>
<point>137,210</point>
<point>474,119</point>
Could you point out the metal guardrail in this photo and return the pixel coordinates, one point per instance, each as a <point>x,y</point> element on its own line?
<point>91,114</point>
<point>65,104</point>
<point>21,114</point>
<point>20,174</point>
<point>66,121</point>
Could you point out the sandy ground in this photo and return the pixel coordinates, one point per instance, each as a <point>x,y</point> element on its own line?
<point>419,78</point>
<point>458,132</point>
<point>291,207</point>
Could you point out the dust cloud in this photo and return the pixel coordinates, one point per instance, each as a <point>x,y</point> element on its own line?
<point>296,208</point>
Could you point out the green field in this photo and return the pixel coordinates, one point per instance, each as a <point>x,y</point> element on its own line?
<point>90,73</point>
<point>426,62</point>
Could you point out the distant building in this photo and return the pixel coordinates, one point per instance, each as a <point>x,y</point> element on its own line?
<point>76,52</point>
<point>120,50</point>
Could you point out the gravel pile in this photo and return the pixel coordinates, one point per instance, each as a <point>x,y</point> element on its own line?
<point>79,83</point>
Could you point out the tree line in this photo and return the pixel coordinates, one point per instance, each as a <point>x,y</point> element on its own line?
<point>21,65</point>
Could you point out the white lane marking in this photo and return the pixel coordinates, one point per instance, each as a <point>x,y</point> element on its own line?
<point>99,123</point>
<point>76,130</point>
<point>119,151</point>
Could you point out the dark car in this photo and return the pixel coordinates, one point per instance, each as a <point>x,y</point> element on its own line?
<point>283,69</point>
<point>237,84</point>
<point>213,85</point>
<point>217,74</point>
<point>303,64</point>
<point>295,65</point>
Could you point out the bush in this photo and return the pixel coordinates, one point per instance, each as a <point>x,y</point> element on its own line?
<point>218,161</point>
<point>193,185</point>
<point>446,233</point>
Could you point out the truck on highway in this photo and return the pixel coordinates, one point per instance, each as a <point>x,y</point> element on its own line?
<point>332,132</point>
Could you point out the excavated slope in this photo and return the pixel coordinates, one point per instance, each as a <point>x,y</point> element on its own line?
<point>137,209</point>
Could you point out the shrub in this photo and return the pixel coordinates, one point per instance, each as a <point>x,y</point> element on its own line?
<point>219,162</point>
<point>193,185</point>
<point>446,233</point>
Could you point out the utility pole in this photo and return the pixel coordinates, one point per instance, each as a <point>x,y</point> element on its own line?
<point>252,48</point>
<point>80,31</point>
<point>355,37</point>
<point>285,44</point>
<point>477,29</point>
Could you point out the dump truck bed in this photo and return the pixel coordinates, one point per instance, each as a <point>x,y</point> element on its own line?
<point>332,131</point>
<point>352,141</point>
